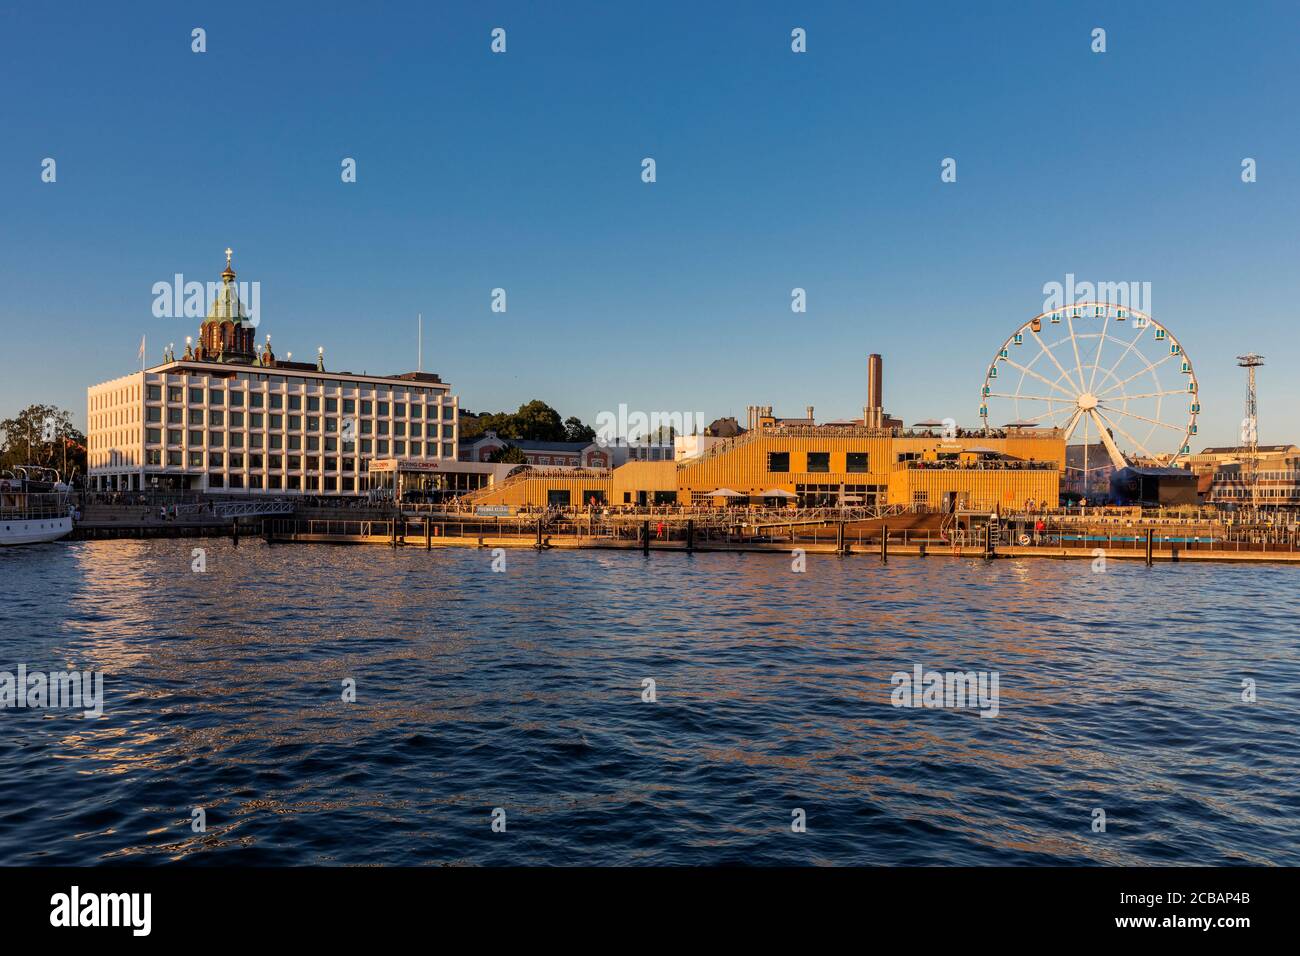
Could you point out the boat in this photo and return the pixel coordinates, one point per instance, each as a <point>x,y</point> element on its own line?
<point>34,506</point>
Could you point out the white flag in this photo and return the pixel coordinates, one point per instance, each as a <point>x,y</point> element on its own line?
<point>141,352</point>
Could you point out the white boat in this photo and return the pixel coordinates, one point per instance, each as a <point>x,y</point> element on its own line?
<point>34,506</point>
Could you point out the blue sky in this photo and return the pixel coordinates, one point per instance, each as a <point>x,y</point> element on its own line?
<point>775,170</point>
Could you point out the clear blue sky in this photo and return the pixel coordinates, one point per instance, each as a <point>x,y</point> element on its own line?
<point>775,170</point>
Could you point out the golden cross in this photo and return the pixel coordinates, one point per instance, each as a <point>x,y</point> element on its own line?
<point>229,252</point>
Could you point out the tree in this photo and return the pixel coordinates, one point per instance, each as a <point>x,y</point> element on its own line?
<point>43,435</point>
<point>575,430</point>
<point>537,421</point>
<point>509,454</point>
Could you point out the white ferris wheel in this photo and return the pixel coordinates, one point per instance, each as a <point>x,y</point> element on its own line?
<point>1100,373</point>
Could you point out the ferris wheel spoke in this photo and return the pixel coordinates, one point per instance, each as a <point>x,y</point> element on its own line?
<point>1122,355</point>
<point>1096,362</point>
<point>1031,398</point>
<point>1137,445</point>
<point>1151,367</point>
<point>1047,414</point>
<point>1143,418</point>
<point>1172,391</point>
<point>1052,355</point>
<point>1078,363</point>
<point>1068,428</point>
<point>1044,380</point>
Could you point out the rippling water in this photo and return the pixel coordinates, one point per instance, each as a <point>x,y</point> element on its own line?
<point>522,690</point>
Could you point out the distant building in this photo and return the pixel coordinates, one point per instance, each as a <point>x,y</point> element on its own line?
<point>546,454</point>
<point>232,416</point>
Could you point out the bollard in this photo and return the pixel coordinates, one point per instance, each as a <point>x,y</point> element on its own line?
<point>690,535</point>
<point>645,537</point>
<point>884,543</point>
<point>234,531</point>
<point>1150,533</point>
<point>428,534</point>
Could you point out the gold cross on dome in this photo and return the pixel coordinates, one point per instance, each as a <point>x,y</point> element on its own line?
<point>229,252</point>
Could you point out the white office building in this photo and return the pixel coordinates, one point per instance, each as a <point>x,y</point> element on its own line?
<point>229,417</point>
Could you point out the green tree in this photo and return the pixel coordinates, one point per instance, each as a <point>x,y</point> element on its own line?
<point>509,454</point>
<point>43,435</point>
<point>575,430</point>
<point>537,421</point>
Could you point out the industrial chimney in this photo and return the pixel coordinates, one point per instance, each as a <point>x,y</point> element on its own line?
<point>873,416</point>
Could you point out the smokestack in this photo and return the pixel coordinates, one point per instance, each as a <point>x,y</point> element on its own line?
<point>810,414</point>
<point>875,387</point>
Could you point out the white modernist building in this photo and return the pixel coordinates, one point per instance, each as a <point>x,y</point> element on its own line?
<point>229,417</point>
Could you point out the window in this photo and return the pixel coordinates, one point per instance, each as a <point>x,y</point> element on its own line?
<point>331,405</point>
<point>277,422</point>
<point>446,412</point>
<point>214,459</point>
<point>367,407</point>
<point>274,461</point>
<point>295,403</point>
<point>254,399</point>
<point>349,406</point>
<point>447,452</point>
<point>152,414</point>
<point>255,440</point>
<point>173,459</point>
<point>295,423</point>
<point>236,461</point>
<point>175,416</point>
<point>153,457</point>
<point>174,436</point>
<point>153,393</point>
<point>277,441</point>
<point>236,439</point>
<point>778,461</point>
<point>216,481</point>
<point>196,459</point>
<point>399,410</point>
<point>216,417</point>
<point>196,438</point>
<point>236,419</point>
<point>153,436</point>
<point>383,409</point>
<point>819,461</point>
<point>216,396</point>
<point>276,400</point>
<point>383,447</point>
<point>313,403</point>
<point>856,463</point>
<point>196,396</point>
<point>175,393</point>
<point>237,399</point>
<point>215,440</point>
<point>255,420</point>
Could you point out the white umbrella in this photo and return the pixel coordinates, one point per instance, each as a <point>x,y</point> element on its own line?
<point>726,493</point>
<point>778,493</point>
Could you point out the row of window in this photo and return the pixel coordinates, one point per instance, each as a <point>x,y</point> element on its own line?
<point>855,462</point>
<point>313,403</point>
<point>215,459</point>
<point>289,482</point>
<point>216,418</point>
<point>275,441</point>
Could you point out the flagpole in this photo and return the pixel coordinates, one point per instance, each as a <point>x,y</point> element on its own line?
<point>419,362</point>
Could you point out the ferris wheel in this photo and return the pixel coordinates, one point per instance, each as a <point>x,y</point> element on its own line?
<point>1100,373</point>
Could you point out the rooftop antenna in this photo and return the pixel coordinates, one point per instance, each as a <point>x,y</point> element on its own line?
<point>1250,428</point>
<point>419,361</point>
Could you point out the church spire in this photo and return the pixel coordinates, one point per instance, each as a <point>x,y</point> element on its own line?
<point>229,274</point>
